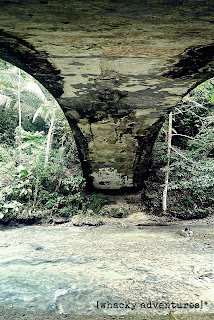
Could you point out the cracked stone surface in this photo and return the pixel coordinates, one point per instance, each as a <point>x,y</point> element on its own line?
<point>115,67</point>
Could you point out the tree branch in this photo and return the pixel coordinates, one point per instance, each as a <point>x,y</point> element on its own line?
<point>184,135</point>
<point>189,160</point>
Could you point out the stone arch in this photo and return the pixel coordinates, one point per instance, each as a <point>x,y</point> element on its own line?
<point>111,117</point>
<point>194,62</point>
<point>116,118</point>
<point>24,56</point>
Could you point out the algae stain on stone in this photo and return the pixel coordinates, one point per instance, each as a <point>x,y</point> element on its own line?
<point>109,178</point>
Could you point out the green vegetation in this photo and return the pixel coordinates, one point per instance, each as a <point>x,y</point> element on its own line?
<point>41,176</point>
<point>40,173</point>
<point>95,202</point>
<point>183,163</point>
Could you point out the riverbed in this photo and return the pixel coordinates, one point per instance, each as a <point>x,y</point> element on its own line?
<point>147,270</point>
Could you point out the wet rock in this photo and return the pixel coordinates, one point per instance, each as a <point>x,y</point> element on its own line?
<point>37,247</point>
<point>86,220</point>
<point>60,220</point>
<point>187,232</point>
<point>115,211</point>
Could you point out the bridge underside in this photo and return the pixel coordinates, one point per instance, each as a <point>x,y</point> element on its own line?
<point>115,67</point>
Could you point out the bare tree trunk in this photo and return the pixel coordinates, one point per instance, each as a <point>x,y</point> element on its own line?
<point>19,101</point>
<point>20,112</point>
<point>36,185</point>
<point>48,146</point>
<point>166,129</point>
<point>166,183</point>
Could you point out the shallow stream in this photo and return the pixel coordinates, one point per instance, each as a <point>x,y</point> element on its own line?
<point>107,270</point>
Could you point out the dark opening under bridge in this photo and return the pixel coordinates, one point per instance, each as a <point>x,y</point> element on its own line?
<point>115,68</point>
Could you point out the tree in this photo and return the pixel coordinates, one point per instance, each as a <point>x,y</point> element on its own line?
<point>166,184</point>
<point>187,156</point>
<point>20,91</point>
<point>16,87</point>
<point>48,112</point>
<point>42,170</point>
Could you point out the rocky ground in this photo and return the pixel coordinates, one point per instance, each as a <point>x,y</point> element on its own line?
<point>13,315</point>
<point>137,219</point>
<point>130,217</point>
<point>125,212</point>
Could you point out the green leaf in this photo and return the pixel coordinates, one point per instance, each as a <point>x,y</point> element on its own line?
<point>23,172</point>
<point>212,98</point>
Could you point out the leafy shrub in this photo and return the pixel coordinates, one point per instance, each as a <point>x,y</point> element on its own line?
<point>191,185</point>
<point>96,201</point>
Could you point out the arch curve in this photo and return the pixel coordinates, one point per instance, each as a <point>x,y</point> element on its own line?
<point>195,62</point>
<point>154,53</point>
<point>24,56</point>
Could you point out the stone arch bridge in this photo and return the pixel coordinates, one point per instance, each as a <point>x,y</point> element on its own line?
<point>115,68</point>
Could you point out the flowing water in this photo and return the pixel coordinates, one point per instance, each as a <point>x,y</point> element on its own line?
<point>106,271</point>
